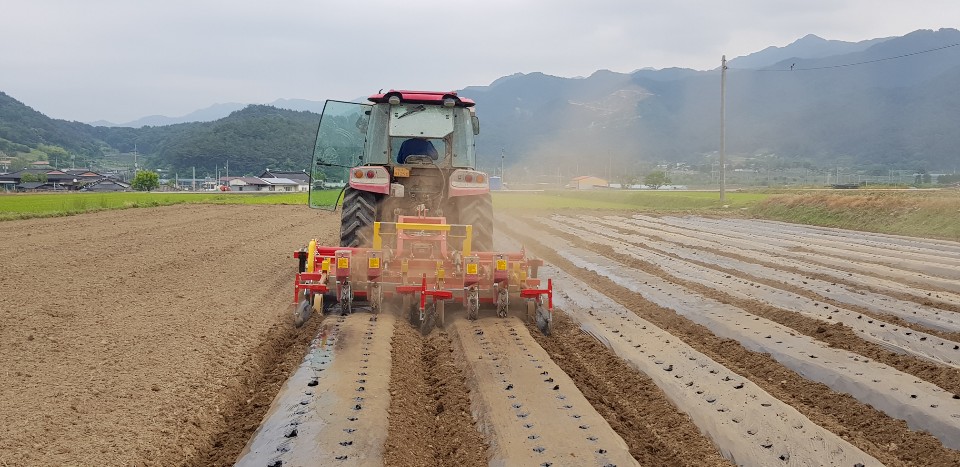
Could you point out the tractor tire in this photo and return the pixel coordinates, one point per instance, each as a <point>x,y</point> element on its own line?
<point>357,218</point>
<point>478,212</point>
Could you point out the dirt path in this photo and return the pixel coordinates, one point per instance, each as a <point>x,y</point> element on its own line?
<point>127,336</point>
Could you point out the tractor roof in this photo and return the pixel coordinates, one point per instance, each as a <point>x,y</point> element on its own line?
<point>422,97</point>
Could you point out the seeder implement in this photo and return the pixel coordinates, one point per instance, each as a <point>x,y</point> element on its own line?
<point>422,265</point>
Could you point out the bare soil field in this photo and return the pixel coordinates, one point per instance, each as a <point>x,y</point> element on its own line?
<point>132,337</point>
<point>163,336</point>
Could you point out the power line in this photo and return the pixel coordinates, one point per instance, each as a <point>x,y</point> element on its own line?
<point>861,63</point>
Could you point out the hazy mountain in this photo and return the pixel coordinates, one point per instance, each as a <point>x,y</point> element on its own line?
<point>251,139</point>
<point>875,104</point>
<point>214,112</point>
<point>207,114</point>
<point>300,105</point>
<point>809,46</point>
<point>896,112</point>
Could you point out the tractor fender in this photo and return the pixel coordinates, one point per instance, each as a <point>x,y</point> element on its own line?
<point>371,178</point>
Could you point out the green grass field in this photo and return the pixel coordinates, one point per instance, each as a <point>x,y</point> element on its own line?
<point>23,206</point>
<point>919,213</point>
<point>934,214</point>
<point>655,201</point>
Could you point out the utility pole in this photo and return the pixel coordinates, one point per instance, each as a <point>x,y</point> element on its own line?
<point>193,180</point>
<point>723,128</point>
<point>501,165</point>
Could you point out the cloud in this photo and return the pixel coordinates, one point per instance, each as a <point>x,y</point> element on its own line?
<point>120,60</point>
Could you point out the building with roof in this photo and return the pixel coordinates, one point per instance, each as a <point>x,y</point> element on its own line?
<point>270,184</point>
<point>56,179</point>
<point>302,178</point>
<point>105,184</point>
<point>587,182</point>
<point>35,186</point>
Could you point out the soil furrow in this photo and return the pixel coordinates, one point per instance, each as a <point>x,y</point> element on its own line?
<point>811,294</point>
<point>873,270</point>
<point>266,370</point>
<point>430,421</point>
<point>944,304</point>
<point>877,434</point>
<point>883,306</point>
<point>656,432</point>
<point>836,335</point>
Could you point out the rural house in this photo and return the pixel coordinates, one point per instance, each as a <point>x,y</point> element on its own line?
<point>302,178</point>
<point>587,182</point>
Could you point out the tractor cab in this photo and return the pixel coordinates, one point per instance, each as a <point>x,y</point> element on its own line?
<point>392,138</point>
<point>403,153</point>
<point>423,128</point>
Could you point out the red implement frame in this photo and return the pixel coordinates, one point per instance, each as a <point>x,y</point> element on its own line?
<point>423,246</point>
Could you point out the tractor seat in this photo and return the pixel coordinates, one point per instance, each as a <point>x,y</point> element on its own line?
<point>417,147</point>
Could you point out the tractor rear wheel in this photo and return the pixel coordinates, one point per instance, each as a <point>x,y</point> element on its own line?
<point>357,218</point>
<point>478,212</point>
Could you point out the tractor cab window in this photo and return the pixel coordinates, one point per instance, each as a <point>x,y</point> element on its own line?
<point>416,149</point>
<point>425,121</point>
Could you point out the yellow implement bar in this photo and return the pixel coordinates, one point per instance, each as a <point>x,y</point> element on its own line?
<point>311,255</point>
<point>467,241</point>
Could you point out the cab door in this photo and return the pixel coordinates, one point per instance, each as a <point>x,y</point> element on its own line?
<point>339,146</point>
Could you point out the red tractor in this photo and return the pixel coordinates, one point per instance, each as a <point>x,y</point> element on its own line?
<point>417,220</point>
<point>409,153</point>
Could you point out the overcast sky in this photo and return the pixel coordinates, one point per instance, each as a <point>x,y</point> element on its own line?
<point>120,60</point>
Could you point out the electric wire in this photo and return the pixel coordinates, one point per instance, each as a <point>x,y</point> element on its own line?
<point>858,63</point>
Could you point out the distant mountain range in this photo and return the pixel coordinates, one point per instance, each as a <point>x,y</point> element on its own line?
<point>809,46</point>
<point>888,103</point>
<point>214,112</point>
<point>876,103</point>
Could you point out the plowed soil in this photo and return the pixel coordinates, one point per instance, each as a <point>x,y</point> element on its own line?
<point>139,337</point>
<point>161,336</point>
<point>430,417</point>
<point>656,432</point>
